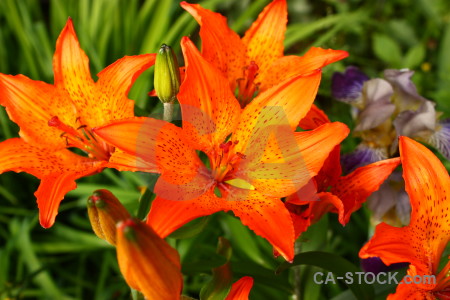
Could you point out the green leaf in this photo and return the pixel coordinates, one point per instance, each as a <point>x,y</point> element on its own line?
<point>414,57</point>
<point>220,285</point>
<point>190,229</point>
<point>144,203</point>
<point>333,263</point>
<point>387,50</point>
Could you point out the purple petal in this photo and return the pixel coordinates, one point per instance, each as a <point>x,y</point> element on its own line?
<point>363,155</point>
<point>440,139</point>
<point>375,265</point>
<point>417,123</point>
<point>347,87</point>
<point>391,196</point>
<point>377,104</point>
<point>406,91</point>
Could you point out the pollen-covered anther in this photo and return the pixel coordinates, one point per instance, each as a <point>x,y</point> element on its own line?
<point>226,161</point>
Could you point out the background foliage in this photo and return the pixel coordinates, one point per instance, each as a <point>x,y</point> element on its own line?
<point>69,262</point>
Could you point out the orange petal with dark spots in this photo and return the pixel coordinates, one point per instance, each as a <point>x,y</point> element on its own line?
<point>266,216</point>
<point>31,104</point>
<point>290,66</point>
<point>124,161</point>
<point>264,39</point>
<point>72,74</point>
<point>221,46</point>
<point>423,241</point>
<point>210,110</point>
<point>275,107</point>
<point>290,160</point>
<point>57,170</point>
<point>154,143</point>
<point>114,83</point>
<point>428,186</point>
<point>106,100</point>
<point>166,216</point>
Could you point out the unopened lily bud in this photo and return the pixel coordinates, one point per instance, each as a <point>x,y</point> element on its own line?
<point>148,263</point>
<point>105,211</point>
<point>167,75</point>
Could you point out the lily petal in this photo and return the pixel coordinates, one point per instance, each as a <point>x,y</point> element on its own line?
<point>411,292</point>
<point>290,66</point>
<point>50,193</point>
<point>154,143</point>
<point>166,216</point>
<point>113,85</point>
<point>240,289</point>
<point>210,110</point>
<point>354,188</point>
<point>422,242</point>
<point>124,161</point>
<point>303,217</point>
<point>267,216</point>
<point>283,170</point>
<point>275,107</point>
<point>71,71</point>
<point>426,178</point>
<point>57,171</point>
<point>264,39</point>
<point>221,46</point>
<point>314,118</point>
<point>31,104</point>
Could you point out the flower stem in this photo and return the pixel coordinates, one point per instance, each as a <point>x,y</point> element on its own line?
<point>297,273</point>
<point>168,112</point>
<point>136,295</point>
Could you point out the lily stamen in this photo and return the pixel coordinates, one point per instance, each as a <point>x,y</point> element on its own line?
<point>81,138</point>
<point>246,84</point>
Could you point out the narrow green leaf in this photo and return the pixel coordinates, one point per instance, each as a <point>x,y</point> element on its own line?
<point>144,203</point>
<point>191,229</point>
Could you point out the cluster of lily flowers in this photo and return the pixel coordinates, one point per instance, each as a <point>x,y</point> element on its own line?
<point>242,102</point>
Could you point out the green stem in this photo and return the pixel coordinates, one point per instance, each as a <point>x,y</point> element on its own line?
<point>168,112</point>
<point>136,295</point>
<point>297,272</point>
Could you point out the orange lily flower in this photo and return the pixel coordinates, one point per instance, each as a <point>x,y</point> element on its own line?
<point>256,62</point>
<point>423,241</point>
<point>55,117</point>
<point>333,192</point>
<point>255,157</point>
<point>148,263</point>
<point>240,289</point>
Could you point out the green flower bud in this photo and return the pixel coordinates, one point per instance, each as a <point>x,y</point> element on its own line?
<point>167,75</point>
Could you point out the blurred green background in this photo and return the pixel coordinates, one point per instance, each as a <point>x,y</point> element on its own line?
<point>69,262</point>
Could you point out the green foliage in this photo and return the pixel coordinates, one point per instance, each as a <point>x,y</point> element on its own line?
<point>69,262</point>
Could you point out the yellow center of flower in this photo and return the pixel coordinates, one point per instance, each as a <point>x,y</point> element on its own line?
<point>246,85</point>
<point>82,138</point>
